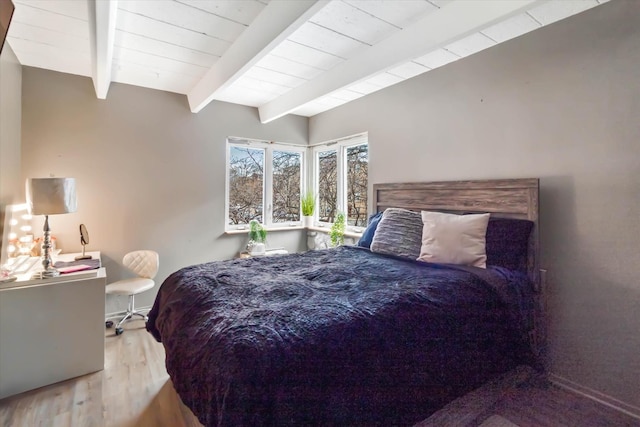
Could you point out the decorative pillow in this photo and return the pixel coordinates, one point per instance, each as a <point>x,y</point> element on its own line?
<point>367,236</point>
<point>508,242</point>
<point>399,233</point>
<point>454,239</point>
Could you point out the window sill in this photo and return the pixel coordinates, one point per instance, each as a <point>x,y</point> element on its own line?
<point>328,230</point>
<point>269,229</point>
<point>322,229</point>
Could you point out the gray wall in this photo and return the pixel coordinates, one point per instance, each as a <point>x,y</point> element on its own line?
<point>150,174</point>
<point>562,104</point>
<point>11,188</point>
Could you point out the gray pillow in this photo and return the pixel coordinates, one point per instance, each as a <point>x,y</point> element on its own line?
<point>399,233</point>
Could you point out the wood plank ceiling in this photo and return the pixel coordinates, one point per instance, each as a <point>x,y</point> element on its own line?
<point>302,57</point>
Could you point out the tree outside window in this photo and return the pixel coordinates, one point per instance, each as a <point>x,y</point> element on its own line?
<point>357,182</point>
<point>246,182</point>
<point>341,180</point>
<point>264,182</point>
<point>286,186</point>
<point>327,185</point>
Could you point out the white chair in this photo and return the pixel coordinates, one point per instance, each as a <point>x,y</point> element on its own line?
<point>145,265</point>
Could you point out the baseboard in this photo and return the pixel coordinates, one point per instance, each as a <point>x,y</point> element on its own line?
<point>116,314</point>
<point>631,410</point>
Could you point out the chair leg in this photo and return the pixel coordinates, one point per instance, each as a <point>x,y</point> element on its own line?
<point>134,311</point>
<point>124,319</point>
<point>131,311</point>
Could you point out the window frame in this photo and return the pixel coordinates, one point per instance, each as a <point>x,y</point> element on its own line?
<point>267,180</point>
<point>340,146</point>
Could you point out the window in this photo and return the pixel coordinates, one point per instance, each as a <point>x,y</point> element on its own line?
<point>246,184</point>
<point>357,173</point>
<point>341,179</point>
<point>286,186</point>
<point>327,185</point>
<point>264,182</point>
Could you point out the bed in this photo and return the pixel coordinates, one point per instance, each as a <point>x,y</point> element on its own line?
<point>351,336</point>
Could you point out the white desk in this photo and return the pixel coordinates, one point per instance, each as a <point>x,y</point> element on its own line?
<point>51,329</point>
<point>25,279</point>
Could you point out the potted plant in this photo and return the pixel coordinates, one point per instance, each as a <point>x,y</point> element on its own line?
<point>337,230</point>
<point>308,206</point>
<point>257,238</point>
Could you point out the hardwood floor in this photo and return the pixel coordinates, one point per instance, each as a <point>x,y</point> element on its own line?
<point>134,390</point>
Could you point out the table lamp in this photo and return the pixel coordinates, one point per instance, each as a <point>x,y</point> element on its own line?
<point>50,196</point>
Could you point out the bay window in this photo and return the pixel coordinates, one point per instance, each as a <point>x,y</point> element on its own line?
<point>265,181</point>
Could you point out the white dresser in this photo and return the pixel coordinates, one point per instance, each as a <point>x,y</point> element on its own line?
<point>51,329</point>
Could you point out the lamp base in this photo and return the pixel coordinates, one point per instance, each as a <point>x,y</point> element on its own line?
<point>79,257</point>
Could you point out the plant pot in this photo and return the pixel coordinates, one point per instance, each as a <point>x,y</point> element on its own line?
<point>311,240</point>
<point>257,249</point>
<point>307,221</point>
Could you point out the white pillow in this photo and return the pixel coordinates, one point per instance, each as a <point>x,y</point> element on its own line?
<point>454,239</point>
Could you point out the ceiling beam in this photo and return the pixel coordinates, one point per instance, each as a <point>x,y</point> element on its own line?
<point>103,36</point>
<point>455,20</point>
<point>277,21</point>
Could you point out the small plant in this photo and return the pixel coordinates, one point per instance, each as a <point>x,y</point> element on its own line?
<point>257,233</point>
<point>308,203</point>
<point>337,230</point>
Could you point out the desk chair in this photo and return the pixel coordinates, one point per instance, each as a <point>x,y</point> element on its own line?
<point>145,265</point>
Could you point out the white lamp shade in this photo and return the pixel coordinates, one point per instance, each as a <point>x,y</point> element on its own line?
<point>51,196</point>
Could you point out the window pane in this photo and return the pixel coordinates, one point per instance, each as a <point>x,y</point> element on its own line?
<point>327,185</point>
<point>357,170</point>
<point>246,185</point>
<point>286,186</point>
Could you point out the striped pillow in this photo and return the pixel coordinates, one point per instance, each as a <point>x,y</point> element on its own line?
<point>399,233</point>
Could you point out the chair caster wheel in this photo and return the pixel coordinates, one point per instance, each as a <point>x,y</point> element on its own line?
<point>108,324</point>
<point>119,331</point>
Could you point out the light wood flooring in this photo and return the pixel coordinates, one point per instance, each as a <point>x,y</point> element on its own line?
<point>134,390</point>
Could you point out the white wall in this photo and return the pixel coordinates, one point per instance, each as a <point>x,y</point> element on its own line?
<point>562,104</point>
<point>11,187</point>
<point>150,174</point>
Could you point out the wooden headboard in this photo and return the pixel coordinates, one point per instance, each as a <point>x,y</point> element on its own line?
<point>504,198</point>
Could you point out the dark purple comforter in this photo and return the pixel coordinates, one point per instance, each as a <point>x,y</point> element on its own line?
<point>331,338</point>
